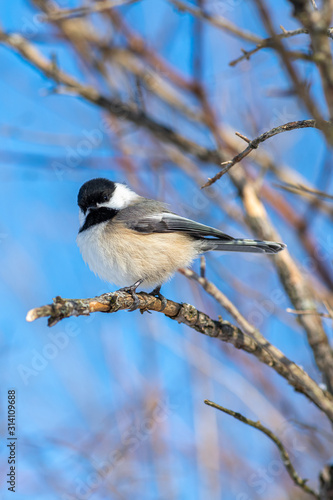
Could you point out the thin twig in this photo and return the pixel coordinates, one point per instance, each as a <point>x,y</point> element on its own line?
<point>302,190</point>
<point>293,54</point>
<point>241,136</point>
<point>269,43</point>
<point>310,312</point>
<point>283,452</point>
<point>258,140</point>
<point>329,308</point>
<point>313,428</point>
<point>223,300</point>
<point>217,21</point>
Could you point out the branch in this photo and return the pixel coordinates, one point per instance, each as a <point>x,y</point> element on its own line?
<point>283,452</point>
<point>84,11</point>
<point>310,312</point>
<point>190,316</point>
<point>223,300</point>
<point>285,367</point>
<point>326,482</point>
<point>217,21</point>
<point>254,143</point>
<point>108,302</point>
<point>300,88</point>
<point>270,43</point>
<point>115,107</point>
<point>154,81</point>
<point>293,54</point>
<point>130,113</point>
<point>303,190</point>
<point>317,23</point>
<point>227,26</point>
<point>292,279</point>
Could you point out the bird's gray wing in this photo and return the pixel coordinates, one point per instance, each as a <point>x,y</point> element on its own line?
<point>153,217</point>
<point>146,218</point>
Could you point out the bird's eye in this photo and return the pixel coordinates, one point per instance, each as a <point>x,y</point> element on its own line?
<point>105,198</point>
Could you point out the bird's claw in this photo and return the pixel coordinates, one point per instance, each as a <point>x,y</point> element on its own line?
<point>132,289</point>
<point>136,301</point>
<point>157,293</point>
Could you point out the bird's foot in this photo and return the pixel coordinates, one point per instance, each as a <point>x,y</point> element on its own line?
<point>157,293</point>
<point>132,289</point>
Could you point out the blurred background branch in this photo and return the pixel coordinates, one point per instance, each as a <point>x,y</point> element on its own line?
<point>284,454</point>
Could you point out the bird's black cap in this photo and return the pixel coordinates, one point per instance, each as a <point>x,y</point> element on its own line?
<point>95,191</point>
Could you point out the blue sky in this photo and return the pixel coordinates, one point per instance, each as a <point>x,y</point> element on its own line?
<point>125,391</point>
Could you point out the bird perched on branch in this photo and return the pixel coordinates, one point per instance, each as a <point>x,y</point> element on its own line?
<point>130,240</point>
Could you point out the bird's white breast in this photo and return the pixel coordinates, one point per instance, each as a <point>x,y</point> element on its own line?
<point>101,256</point>
<point>122,256</point>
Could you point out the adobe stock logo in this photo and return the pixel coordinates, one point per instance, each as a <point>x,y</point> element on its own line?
<point>90,140</point>
<point>133,437</point>
<point>41,359</point>
<point>264,478</point>
<point>31,26</point>
<point>222,7</point>
<point>74,156</point>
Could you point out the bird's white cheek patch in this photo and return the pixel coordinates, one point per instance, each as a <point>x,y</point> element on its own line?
<point>82,217</point>
<point>121,198</point>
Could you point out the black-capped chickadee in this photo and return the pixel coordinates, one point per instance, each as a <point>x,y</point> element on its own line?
<point>130,240</point>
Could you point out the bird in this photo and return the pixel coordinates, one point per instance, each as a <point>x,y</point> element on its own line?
<point>131,241</point>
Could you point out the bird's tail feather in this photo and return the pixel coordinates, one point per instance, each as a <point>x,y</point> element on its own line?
<point>237,245</point>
